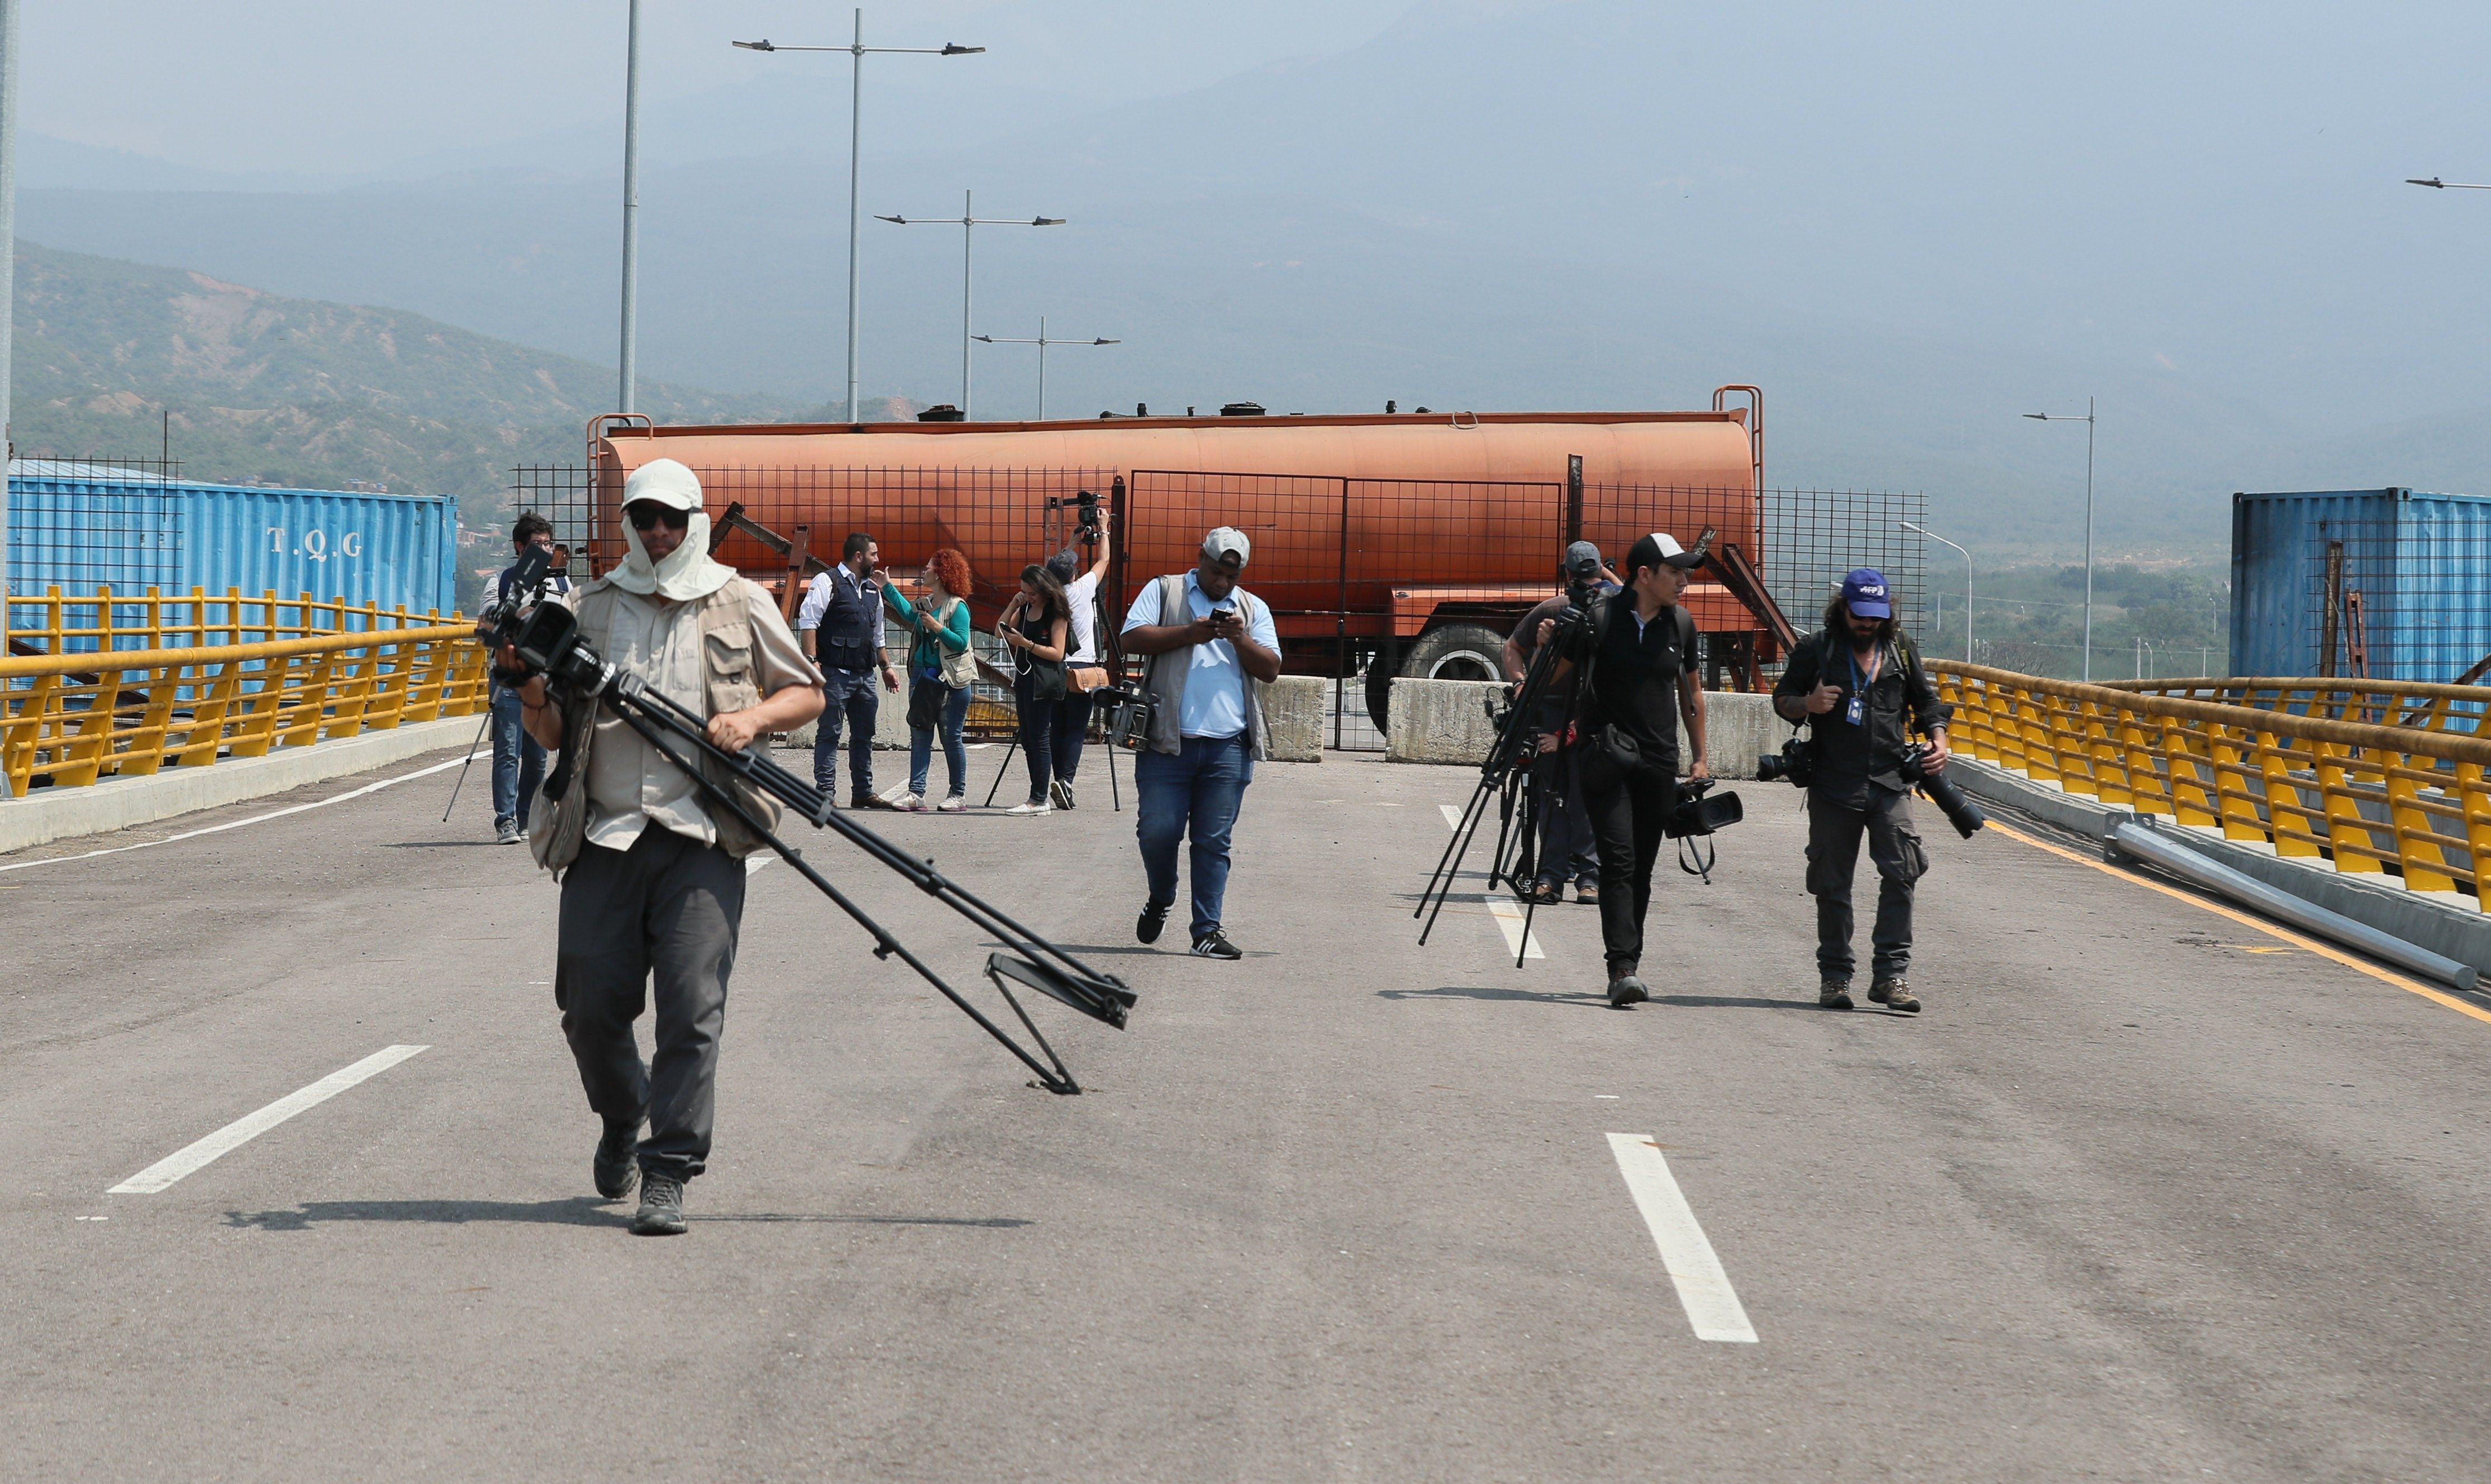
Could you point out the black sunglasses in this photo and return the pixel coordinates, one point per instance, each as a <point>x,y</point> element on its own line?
<point>643,516</point>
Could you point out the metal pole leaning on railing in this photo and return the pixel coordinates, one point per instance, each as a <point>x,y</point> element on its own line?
<point>2367,798</point>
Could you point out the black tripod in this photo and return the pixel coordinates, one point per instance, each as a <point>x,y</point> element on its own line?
<point>1506,778</point>
<point>680,735</point>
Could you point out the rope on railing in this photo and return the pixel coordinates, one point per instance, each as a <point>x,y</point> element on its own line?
<point>78,717</point>
<point>2407,801</point>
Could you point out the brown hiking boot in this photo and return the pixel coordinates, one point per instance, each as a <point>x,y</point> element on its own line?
<point>1834,994</point>
<point>1894,995</point>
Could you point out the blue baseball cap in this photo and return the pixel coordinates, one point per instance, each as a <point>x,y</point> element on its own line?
<point>1864,592</point>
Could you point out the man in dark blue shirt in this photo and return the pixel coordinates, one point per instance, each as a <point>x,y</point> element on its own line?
<point>518,763</point>
<point>1858,685</point>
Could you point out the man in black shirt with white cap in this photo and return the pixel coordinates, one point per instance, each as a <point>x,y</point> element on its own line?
<point>1640,677</point>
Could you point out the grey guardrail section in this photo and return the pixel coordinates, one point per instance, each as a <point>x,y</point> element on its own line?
<point>2140,842</point>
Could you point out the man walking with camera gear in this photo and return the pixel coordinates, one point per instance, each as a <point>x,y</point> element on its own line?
<point>1858,684</point>
<point>518,763</point>
<point>1207,640</point>
<point>1638,656</point>
<point>1564,851</point>
<point>840,626</point>
<point>652,881</point>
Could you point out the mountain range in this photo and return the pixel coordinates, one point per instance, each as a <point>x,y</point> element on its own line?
<point>1586,203</point>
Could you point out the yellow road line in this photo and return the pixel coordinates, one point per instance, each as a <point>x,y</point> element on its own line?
<point>2410,986</point>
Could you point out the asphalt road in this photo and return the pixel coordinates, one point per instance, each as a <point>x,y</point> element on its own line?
<point>2143,1195</point>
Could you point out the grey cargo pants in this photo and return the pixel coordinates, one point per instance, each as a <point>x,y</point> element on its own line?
<point>669,907</point>
<point>1833,833</point>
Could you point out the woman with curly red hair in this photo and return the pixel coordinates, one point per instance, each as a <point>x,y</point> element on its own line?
<point>941,669</point>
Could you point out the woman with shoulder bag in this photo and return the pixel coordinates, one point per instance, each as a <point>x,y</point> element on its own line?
<point>941,669</point>
<point>1083,673</point>
<point>1037,624</point>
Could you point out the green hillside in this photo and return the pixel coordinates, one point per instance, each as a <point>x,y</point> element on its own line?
<point>264,389</point>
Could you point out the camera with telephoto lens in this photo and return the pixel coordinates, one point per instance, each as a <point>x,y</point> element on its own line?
<point>1795,762</point>
<point>1960,812</point>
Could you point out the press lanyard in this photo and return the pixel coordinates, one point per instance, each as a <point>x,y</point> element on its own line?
<point>1857,708</point>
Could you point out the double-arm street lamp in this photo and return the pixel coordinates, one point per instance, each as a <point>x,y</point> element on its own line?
<point>1041,342</point>
<point>857,51</point>
<point>1966,582</point>
<point>968,222</point>
<point>2088,421</point>
<point>2436,183</point>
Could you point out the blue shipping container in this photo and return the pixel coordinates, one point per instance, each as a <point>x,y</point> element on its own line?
<point>85,525</point>
<point>2412,590</point>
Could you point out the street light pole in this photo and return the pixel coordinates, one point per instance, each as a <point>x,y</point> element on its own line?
<point>2088,421</point>
<point>7,269</point>
<point>968,222</point>
<point>1041,342</point>
<point>1966,582</point>
<point>857,51</point>
<point>626,395</point>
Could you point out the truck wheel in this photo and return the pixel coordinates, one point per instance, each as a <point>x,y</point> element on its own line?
<point>1457,651</point>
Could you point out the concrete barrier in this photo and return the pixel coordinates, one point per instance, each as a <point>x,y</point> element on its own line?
<point>1446,721</point>
<point>1297,708</point>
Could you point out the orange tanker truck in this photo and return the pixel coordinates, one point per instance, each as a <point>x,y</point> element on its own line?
<point>1392,544</point>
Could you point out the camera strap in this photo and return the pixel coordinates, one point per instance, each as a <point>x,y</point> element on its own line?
<point>1700,848</point>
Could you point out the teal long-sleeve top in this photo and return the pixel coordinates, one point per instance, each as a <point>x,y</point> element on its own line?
<point>922,658</point>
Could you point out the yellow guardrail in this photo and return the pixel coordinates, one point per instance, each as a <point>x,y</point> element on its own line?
<point>75,718</point>
<point>60,624</point>
<point>2372,798</point>
<point>2433,708</point>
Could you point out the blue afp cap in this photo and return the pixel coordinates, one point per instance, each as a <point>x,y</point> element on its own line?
<point>1864,592</point>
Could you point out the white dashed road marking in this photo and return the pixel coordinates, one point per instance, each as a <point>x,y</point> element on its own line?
<point>1712,1305</point>
<point>241,1131</point>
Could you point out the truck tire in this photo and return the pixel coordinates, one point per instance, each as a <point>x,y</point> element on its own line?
<point>1457,651</point>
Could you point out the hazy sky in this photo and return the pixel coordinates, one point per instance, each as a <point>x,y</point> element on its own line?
<point>351,86</point>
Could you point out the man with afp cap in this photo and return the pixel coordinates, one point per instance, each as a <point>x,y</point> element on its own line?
<point>1858,685</point>
<point>1206,640</point>
<point>652,877</point>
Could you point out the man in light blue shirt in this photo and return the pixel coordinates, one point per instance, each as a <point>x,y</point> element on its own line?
<point>1205,637</point>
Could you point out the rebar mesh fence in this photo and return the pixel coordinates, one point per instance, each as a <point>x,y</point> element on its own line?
<point>1367,579</point>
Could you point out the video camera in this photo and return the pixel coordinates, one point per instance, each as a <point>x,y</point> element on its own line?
<point>1087,525</point>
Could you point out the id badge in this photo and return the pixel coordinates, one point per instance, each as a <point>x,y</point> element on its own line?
<point>1851,712</point>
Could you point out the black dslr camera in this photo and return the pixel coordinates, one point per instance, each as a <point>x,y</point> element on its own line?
<point>1795,762</point>
<point>1960,812</point>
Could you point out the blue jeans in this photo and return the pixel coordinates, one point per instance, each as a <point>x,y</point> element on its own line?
<point>849,698</point>
<point>1197,791</point>
<point>955,752</point>
<point>518,763</point>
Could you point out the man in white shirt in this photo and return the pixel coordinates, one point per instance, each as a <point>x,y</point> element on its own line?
<point>841,628</point>
<point>1205,638</point>
<point>1081,595</point>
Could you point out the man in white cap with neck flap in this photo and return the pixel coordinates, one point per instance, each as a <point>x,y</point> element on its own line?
<point>652,877</point>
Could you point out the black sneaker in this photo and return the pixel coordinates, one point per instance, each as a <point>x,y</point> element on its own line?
<point>616,1166</point>
<point>1062,793</point>
<point>1834,994</point>
<point>1147,926</point>
<point>662,1207</point>
<point>1216,946</point>
<point>1625,989</point>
